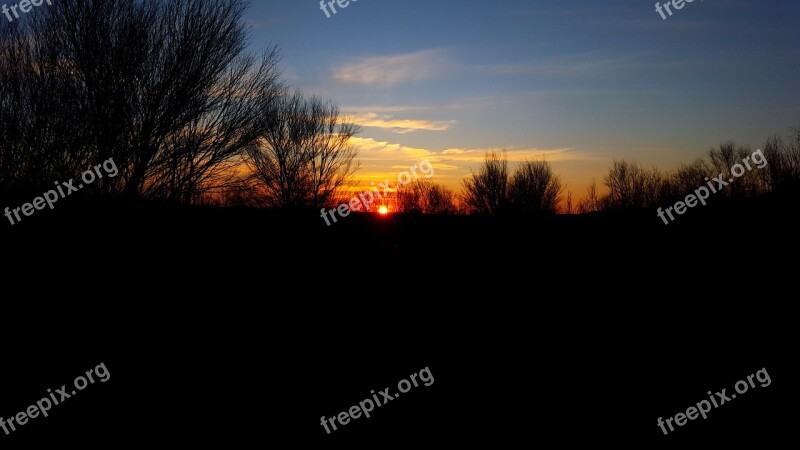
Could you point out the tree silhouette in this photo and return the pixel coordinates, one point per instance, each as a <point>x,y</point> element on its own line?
<point>632,186</point>
<point>426,197</point>
<point>486,191</point>
<point>724,157</point>
<point>592,202</point>
<point>535,189</point>
<point>163,88</point>
<point>303,156</point>
<point>784,163</point>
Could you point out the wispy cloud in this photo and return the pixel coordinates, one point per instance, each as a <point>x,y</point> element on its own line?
<point>380,159</point>
<point>392,70</point>
<point>400,126</point>
<point>371,151</point>
<point>475,156</point>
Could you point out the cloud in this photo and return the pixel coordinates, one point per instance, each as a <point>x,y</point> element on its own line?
<point>381,159</point>
<point>386,71</point>
<point>400,126</point>
<point>475,156</point>
<point>371,151</point>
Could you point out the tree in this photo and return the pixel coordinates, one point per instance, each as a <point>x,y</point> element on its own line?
<point>426,197</point>
<point>784,163</point>
<point>207,156</point>
<point>632,186</point>
<point>726,156</point>
<point>163,88</point>
<point>592,202</point>
<point>684,180</point>
<point>486,191</point>
<point>535,189</point>
<point>569,206</point>
<point>304,155</point>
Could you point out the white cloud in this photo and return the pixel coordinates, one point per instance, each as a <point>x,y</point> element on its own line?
<point>381,159</point>
<point>392,70</point>
<point>400,126</point>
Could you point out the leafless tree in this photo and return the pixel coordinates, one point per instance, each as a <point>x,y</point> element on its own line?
<point>331,155</point>
<point>486,191</point>
<point>592,202</point>
<point>726,156</point>
<point>304,155</point>
<point>425,196</point>
<point>689,176</point>
<point>569,207</point>
<point>784,163</point>
<point>206,156</point>
<point>632,186</point>
<point>535,189</point>
<point>163,88</point>
<point>42,138</point>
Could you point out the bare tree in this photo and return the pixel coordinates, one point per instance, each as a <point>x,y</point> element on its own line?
<point>42,134</point>
<point>689,176</point>
<point>784,163</point>
<point>426,197</point>
<point>632,186</point>
<point>726,156</point>
<point>330,155</point>
<point>163,88</point>
<point>206,156</point>
<point>592,202</point>
<point>486,191</point>
<point>569,207</point>
<point>304,156</point>
<point>535,189</point>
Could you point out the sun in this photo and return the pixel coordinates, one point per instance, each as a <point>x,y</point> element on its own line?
<point>383,210</point>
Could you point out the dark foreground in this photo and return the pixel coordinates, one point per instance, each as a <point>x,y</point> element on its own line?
<point>235,327</point>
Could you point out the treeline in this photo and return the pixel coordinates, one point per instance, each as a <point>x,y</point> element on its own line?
<point>167,91</point>
<point>532,189</point>
<point>535,189</point>
<point>630,185</point>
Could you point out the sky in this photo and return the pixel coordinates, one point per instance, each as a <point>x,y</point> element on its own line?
<point>577,82</point>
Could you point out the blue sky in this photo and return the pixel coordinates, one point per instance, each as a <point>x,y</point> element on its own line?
<point>580,82</point>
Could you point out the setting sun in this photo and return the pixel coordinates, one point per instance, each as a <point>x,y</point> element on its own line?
<point>383,210</point>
